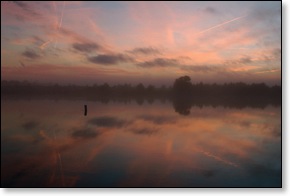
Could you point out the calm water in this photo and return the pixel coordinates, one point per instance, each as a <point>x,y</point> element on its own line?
<point>50,143</point>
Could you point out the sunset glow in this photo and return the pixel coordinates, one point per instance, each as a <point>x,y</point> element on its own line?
<point>148,42</point>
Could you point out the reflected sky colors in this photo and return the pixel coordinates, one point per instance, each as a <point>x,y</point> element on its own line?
<point>148,42</point>
<point>51,143</point>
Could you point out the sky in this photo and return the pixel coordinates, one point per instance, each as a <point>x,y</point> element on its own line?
<point>150,42</point>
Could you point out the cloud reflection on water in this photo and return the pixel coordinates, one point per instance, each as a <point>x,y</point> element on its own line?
<point>199,149</point>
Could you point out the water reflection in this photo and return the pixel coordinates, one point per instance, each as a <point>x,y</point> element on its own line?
<point>51,143</point>
<point>85,133</point>
<point>107,121</point>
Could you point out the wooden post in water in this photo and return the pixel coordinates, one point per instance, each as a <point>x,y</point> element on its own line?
<point>86,110</point>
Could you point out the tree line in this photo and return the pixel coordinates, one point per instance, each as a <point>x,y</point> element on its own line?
<point>181,88</point>
<point>182,94</point>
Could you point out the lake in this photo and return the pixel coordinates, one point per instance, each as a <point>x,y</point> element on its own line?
<point>50,143</point>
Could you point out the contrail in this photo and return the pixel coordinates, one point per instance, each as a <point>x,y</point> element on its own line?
<point>43,46</point>
<point>219,159</point>
<point>59,162</point>
<point>61,171</point>
<point>216,26</point>
<point>208,154</point>
<point>60,23</point>
<point>22,64</point>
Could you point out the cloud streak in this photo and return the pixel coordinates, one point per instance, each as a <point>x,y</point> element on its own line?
<point>145,51</point>
<point>26,8</point>
<point>159,62</point>
<point>86,47</point>
<point>268,71</point>
<point>211,10</point>
<point>31,54</point>
<point>203,68</point>
<point>110,59</point>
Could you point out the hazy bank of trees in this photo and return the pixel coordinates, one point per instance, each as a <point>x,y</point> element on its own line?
<point>122,91</point>
<point>182,93</point>
<point>182,87</point>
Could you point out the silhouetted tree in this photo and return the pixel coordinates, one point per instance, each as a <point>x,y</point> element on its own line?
<point>182,86</point>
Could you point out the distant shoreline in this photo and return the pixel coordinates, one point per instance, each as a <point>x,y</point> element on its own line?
<point>233,95</point>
